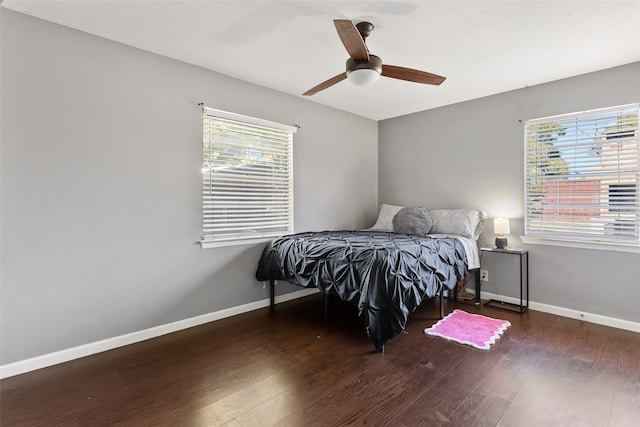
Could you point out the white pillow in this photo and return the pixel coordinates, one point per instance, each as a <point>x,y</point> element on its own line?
<point>462,222</point>
<point>385,217</point>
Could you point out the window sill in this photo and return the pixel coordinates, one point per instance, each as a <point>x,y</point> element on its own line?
<point>581,245</point>
<point>236,242</point>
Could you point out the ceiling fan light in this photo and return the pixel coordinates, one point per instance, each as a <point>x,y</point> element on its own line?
<point>364,73</point>
<point>363,76</point>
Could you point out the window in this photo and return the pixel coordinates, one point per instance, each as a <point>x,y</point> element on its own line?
<point>582,173</point>
<point>247,178</point>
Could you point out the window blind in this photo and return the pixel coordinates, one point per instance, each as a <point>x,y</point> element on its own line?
<point>247,177</point>
<point>582,176</point>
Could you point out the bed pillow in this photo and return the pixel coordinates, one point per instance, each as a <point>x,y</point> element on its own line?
<point>385,217</point>
<point>412,220</point>
<point>462,222</point>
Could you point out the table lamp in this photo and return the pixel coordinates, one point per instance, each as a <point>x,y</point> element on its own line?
<point>501,227</point>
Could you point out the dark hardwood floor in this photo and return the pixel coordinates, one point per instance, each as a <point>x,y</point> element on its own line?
<point>294,369</point>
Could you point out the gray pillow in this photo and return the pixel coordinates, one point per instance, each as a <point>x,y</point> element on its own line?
<point>412,220</point>
<point>461,222</point>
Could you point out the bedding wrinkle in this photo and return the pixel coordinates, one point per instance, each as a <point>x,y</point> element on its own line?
<point>387,275</point>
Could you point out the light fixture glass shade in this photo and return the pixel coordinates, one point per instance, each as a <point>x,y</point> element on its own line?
<point>501,226</point>
<point>363,77</point>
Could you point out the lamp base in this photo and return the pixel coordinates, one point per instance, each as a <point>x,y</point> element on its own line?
<point>501,242</point>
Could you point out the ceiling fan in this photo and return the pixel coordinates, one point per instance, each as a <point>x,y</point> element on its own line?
<point>364,68</point>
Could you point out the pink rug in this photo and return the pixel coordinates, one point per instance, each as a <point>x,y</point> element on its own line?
<point>471,329</point>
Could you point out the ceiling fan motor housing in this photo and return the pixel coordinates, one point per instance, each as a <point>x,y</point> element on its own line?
<point>374,63</point>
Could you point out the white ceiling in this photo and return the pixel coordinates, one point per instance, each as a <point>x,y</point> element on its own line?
<point>482,47</point>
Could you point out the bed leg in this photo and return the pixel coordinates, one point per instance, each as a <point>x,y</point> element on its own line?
<point>327,300</point>
<point>272,290</point>
<point>477,286</point>
<point>442,302</point>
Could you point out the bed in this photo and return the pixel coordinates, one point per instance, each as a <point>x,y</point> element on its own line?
<point>387,270</point>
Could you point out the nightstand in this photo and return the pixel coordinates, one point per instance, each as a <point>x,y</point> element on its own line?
<point>521,256</point>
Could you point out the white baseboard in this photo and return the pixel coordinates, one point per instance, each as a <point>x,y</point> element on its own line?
<point>570,313</point>
<point>66,355</point>
<point>84,350</point>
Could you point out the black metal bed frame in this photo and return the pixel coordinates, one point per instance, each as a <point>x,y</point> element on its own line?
<point>327,297</point>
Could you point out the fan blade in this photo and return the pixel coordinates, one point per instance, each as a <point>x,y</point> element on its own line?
<point>411,75</point>
<point>351,39</point>
<point>326,84</point>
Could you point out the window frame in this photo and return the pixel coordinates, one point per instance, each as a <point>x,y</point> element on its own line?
<point>211,240</point>
<point>556,238</point>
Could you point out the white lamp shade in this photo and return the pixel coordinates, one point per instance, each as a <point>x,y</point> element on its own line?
<point>363,77</point>
<point>501,226</point>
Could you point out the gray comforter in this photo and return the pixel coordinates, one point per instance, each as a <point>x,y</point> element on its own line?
<point>386,274</point>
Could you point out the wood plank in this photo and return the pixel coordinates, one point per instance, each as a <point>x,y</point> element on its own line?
<point>292,368</point>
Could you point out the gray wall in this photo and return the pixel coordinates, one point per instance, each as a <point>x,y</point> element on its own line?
<point>100,185</point>
<point>471,155</point>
